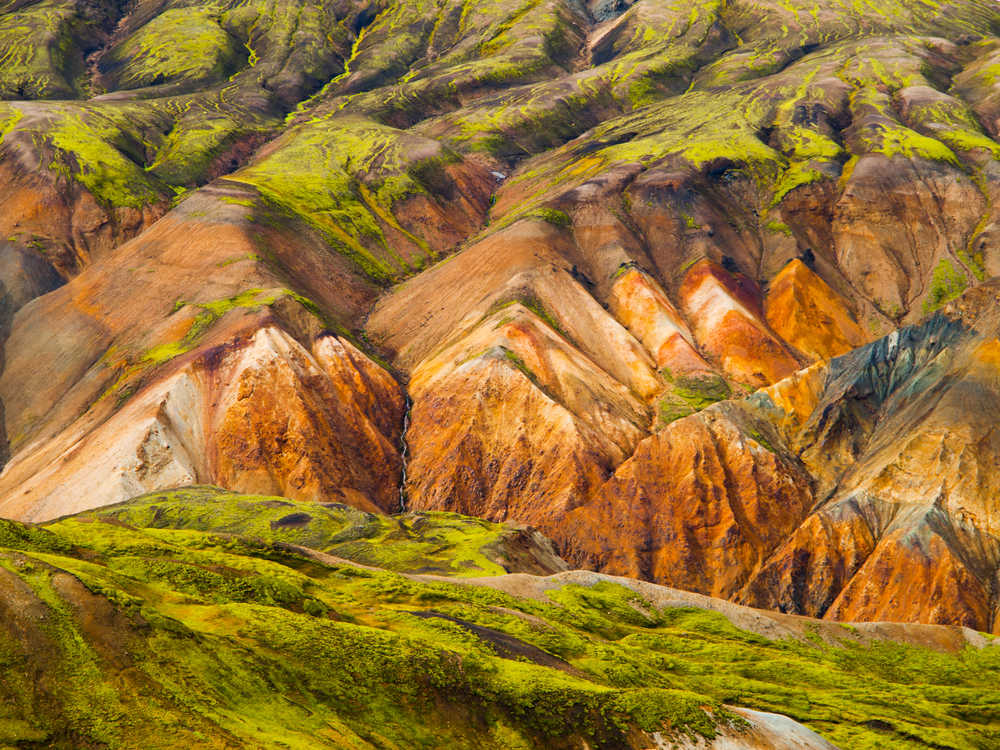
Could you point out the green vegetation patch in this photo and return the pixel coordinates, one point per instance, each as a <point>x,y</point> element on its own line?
<point>179,44</point>
<point>687,395</point>
<point>210,313</point>
<point>552,216</point>
<point>38,50</point>
<point>90,148</point>
<point>132,368</point>
<point>947,283</point>
<point>431,542</point>
<point>344,176</point>
<point>187,616</point>
<point>530,301</point>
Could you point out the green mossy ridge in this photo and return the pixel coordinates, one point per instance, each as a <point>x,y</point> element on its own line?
<point>211,312</point>
<point>706,130</point>
<point>9,117</point>
<point>953,123</point>
<point>198,138</point>
<point>344,176</point>
<point>530,302</point>
<point>90,148</point>
<point>232,639</point>
<point>947,283</point>
<point>654,55</point>
<point>252,299</point>
<point>766,129</point>
<point>893,141</point>
<point>179,44</point>
<point>88,697</point>
<point>132,369</point>
<point>658,53</point>
<point>39,56</point>
<point>19,536</point>
<point>439,543</point>
<point>103,143</point>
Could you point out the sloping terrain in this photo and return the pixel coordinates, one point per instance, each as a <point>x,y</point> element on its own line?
<point>700,290</point>
<point>860,489</point>
<point>214,620</point>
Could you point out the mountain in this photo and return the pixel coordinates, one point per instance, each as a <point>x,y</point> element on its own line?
<point>208,619</point>
<point>704,293</point>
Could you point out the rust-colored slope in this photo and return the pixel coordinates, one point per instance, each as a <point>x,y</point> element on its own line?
<point>185,357</point>
<point>280,423</point>
<point>729,325</point>
<point>644,308</point>
<point>257,413</point>
<point>698,506</point>
<point>512,422</point>
<point>802,309</point>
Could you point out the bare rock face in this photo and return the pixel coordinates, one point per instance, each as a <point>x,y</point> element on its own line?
<point>281,425</point>
<point>856,489</point>
<point>811,317</point>
<point>729,326</point>
<point>503,423</point>
<point>698,506</point>
<point>38,211</point>
<point>645,309</point>
<point>884,253</point>
<point>765,731</point>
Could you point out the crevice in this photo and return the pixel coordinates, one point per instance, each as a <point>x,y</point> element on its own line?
<point>92,62</point>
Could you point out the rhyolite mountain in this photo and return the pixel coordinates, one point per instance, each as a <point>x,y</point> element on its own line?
<point>704,292</point>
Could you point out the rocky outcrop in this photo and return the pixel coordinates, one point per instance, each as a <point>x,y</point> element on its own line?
<point>259,413</point>
<point>503,424</point>
<point>766,730</point>
<point>729,326</point>
<point>282,425</point>
<point>855,490</point>
<point>806,313</point>
<point>698,506</point>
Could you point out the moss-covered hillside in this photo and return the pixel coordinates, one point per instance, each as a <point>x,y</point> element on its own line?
<point>151,624</point>
<point>523,260</point>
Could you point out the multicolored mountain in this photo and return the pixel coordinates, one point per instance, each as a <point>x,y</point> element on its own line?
<point>650,309</point>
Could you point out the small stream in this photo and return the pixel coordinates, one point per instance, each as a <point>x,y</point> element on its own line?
<point>404,454</point>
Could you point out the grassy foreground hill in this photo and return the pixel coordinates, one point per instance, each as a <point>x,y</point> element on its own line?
<point>200,618</point>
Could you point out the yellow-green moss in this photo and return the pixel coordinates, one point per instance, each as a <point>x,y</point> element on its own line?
<point>235,638</point>
<point>178,44</point>
<point>947,283</point>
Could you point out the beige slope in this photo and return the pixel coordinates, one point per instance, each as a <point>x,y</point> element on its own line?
<point>522,263</point>
<point>259,414</point>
